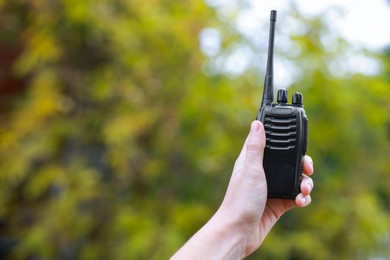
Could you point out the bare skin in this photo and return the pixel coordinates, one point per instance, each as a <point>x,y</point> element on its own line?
<point>245,216</point>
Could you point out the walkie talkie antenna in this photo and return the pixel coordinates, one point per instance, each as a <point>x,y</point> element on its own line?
<point>285,127</point>
<point>268,92</point>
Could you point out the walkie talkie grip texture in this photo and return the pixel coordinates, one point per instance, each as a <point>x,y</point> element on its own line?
<point>286,128</point>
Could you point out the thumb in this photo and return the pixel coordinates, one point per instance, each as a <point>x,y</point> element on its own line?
<point>254,150</point>
<point>255,142</point>
<point>251,156</point>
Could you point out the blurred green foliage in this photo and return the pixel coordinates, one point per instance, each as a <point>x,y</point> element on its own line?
<point>115,144</point>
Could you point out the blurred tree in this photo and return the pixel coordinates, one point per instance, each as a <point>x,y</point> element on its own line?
<point>94,160</point>
<point>116,144</point>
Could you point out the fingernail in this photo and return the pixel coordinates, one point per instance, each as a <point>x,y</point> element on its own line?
<point>303,200</point>
<point>255,127</point>
<point>311,162</point>
<point>310,187</point>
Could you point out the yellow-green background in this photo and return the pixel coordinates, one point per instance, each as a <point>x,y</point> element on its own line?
<point>117,142</point>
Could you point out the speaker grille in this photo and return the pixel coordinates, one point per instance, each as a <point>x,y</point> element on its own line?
<point>281,133</point>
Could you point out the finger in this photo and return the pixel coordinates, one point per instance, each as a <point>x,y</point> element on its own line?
<point>255,142</point>
<point>306,185</point>
<point>307,165</point>
<point>302,200</point>
<point>254,149</point>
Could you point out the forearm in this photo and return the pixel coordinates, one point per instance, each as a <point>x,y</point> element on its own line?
<point>218,239</point>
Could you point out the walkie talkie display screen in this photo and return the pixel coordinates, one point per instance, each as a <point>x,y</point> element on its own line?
<point>286,133</point>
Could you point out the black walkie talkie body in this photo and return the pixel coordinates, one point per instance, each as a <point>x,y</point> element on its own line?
<point>286,132</point>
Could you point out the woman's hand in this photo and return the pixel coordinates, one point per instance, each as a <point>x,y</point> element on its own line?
<point>245,216</point>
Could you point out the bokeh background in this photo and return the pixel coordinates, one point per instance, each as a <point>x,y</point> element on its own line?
<point>120,122</point>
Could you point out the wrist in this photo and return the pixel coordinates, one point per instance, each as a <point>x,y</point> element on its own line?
<point>228,234</point>
<point>219,238</point>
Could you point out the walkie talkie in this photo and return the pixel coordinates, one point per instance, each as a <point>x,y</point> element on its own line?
<point>286,132</point>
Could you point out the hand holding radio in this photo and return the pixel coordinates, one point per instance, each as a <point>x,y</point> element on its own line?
<point>270,177</point>
<point>246,204</point>
<point>246,201</point>
<point>246,215</point>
